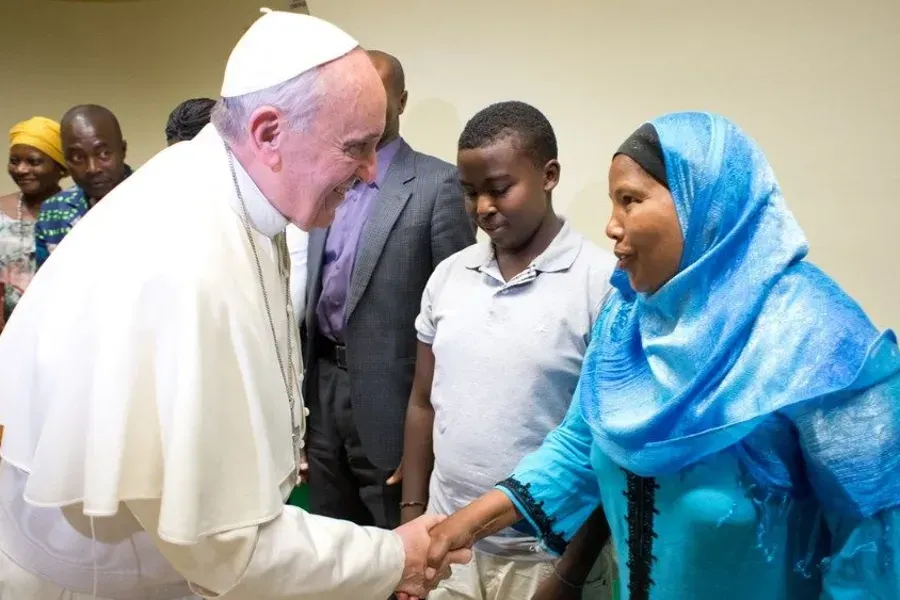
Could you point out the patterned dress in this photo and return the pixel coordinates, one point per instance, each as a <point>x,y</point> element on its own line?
<point>58,216</point>
<point>17,259</point>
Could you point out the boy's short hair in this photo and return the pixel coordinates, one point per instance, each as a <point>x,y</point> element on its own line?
<point>509,119</point>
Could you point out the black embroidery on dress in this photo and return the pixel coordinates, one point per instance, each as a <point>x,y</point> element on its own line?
<point>535,508</point>
<point>641,496</point>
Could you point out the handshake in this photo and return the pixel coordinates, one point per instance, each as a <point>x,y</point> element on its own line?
<point>432,543</point>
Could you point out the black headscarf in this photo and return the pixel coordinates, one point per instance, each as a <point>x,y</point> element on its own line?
<point>188,119</point>
<point>643,147</point>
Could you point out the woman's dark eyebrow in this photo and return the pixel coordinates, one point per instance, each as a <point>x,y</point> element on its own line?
<point>628,188</point>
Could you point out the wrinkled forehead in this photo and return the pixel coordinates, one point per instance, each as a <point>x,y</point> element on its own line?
<point>355,99</point>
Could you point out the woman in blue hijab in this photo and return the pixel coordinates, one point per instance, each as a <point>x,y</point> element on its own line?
<point>738,415</point>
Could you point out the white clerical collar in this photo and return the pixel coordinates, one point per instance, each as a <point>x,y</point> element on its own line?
<point>264,217</point>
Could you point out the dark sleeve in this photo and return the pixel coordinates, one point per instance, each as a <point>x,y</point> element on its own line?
<point>41,251</point>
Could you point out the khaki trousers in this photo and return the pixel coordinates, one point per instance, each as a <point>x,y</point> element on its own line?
<point>489,577</point>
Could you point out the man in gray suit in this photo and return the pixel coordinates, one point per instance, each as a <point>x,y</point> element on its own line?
<point>366,274</point>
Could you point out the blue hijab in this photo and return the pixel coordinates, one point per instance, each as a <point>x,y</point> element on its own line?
<point>746,328</point>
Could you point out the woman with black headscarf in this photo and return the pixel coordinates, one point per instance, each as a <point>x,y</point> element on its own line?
<point>188,119</point>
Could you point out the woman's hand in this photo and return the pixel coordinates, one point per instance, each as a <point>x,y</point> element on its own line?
<point>486,516</point>
<point>453,534</point>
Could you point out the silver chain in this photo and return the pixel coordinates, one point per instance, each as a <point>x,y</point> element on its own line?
<point>289,376</point>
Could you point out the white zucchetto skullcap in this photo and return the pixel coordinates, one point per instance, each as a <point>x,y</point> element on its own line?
<point>280,46</point>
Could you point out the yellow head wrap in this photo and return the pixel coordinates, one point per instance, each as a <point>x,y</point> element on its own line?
<point>41,133</point>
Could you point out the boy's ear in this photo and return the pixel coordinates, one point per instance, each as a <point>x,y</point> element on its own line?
<point>551,175</point>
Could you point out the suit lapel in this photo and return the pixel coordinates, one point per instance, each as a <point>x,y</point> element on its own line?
<point>389,203</point>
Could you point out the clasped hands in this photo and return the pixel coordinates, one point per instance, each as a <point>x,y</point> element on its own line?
<point>432,543</point>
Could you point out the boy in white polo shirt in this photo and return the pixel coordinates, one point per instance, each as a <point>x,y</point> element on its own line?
<point>502,333</point>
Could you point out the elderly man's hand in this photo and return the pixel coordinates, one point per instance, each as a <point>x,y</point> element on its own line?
<point>415,583</point>
<point>302,466</point>
<point>397,476</point>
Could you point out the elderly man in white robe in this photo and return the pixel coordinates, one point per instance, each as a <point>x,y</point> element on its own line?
<point>149,377</point>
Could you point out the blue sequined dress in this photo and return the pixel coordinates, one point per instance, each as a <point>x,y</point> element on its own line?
<point>711,531</point>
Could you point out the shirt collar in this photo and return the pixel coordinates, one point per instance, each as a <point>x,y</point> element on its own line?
<point>558,256</point>
<point>264,217</point>
<point>73,196</point>
<point>386,156</point>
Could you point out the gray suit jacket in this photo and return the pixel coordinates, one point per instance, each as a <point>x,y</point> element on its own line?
<point>418,220</point>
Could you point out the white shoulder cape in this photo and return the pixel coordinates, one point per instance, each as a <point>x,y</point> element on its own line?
<point>140,365</point>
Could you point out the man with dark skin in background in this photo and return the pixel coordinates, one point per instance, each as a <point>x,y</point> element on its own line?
<point>94,151</point>
<point>391,72</point>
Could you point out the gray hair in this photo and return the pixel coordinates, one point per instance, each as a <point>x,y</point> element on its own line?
<point>298,99</point>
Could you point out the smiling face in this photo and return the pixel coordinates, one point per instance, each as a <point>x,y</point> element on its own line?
<point>644,226</point>
<point>338,150</point>
<point>306,173</point>
<point>506,194</point>
<point>36,174</point>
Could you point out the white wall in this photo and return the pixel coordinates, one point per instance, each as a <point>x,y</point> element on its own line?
<point>815,82</point>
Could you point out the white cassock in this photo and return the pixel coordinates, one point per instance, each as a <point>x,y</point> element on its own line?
<point>148,434</point>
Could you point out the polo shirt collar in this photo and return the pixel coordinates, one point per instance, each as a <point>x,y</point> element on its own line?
<point>558,256</point>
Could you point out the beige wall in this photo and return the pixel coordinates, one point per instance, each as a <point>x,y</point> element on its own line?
<point>139,58</point>
<point>815,81</point>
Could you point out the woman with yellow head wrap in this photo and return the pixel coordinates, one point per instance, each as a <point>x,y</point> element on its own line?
<point>36,165</point>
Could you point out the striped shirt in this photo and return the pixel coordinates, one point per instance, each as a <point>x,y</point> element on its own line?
<point>59,214</point>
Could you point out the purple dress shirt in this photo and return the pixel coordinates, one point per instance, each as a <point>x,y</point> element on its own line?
<point>342,245</point>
